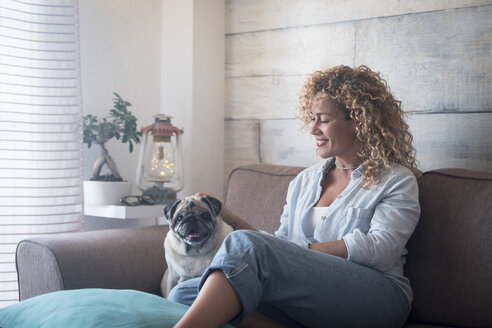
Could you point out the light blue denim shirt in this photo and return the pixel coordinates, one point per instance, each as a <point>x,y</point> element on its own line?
<point>374,223</point>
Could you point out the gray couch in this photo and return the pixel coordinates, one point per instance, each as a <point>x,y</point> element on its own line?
<point>449,261</point>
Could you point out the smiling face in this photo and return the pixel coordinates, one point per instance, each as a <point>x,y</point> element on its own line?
<point>335,135</point>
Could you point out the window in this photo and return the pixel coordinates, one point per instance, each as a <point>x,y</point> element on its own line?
<point>41,168</point>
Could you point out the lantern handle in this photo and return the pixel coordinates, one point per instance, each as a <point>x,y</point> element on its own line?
<point>179,132</point>
<point>146,130</point>
<point>140,159</point>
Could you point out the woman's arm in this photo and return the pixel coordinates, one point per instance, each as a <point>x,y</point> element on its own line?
<point>234,220</point>
<point>337,248</point>
<point>229,217</point>
<point>392,224</point>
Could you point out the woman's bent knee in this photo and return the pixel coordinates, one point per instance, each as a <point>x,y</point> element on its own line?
<point>244,237</point>
<point>185,292</point>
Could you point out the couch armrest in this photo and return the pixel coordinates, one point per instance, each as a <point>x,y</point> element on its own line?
<point>116,259</point>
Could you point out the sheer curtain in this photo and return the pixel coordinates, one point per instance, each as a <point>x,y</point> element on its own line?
<point>41,168</point>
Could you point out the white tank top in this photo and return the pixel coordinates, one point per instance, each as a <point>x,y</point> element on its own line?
<point>315,216</point>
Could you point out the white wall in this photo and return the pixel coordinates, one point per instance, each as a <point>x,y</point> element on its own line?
<point>434,54</point>
<point>163,56</point>
<point>208,97</point>
<point>120,51</point>
<point>193,87</point>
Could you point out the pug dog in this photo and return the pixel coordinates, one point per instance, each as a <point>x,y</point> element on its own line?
<point>196,232</point>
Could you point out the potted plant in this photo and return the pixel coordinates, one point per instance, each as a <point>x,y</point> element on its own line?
<point>121,124</point>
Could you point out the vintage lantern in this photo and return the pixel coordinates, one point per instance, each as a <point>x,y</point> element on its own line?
<point>160,166</point>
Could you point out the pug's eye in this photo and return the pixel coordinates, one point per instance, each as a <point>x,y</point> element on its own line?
<point>179,218</point>
<point>206,216</point>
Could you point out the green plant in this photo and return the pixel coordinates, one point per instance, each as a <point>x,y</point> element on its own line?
<point>120,124</point>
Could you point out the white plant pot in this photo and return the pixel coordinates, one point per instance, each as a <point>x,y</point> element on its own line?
<point>105,192</point>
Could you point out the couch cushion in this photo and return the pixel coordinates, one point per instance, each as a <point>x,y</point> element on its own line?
<point>449,261</point>
<point>262,186</point>
<point>93,308</point>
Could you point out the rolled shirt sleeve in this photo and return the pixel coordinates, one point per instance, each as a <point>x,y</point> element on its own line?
<point>394,220</point>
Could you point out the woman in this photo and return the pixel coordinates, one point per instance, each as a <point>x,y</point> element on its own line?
<point>337,258</point>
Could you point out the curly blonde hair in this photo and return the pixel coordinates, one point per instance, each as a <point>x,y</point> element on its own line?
<point>365,98</point>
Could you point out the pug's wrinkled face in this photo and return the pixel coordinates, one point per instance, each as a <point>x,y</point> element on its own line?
<point>193,219</point>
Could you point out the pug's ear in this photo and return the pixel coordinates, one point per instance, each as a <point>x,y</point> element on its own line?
<point>170,209</point>
<point>214,204</point>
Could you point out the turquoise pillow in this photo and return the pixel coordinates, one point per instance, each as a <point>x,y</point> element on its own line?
<point>93,308</point>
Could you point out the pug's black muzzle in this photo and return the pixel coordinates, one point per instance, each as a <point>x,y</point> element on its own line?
<point>193,230</point>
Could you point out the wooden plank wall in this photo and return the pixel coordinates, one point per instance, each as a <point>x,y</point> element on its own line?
<point>435,55</point>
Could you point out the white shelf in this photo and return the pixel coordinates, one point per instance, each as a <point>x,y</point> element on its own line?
<point>124,212</point>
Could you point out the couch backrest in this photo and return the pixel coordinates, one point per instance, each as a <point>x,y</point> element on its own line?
<point>257,193</point>
<point>450,253</point>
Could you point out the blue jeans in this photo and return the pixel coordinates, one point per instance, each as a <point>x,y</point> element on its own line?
<point>299,287</point>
